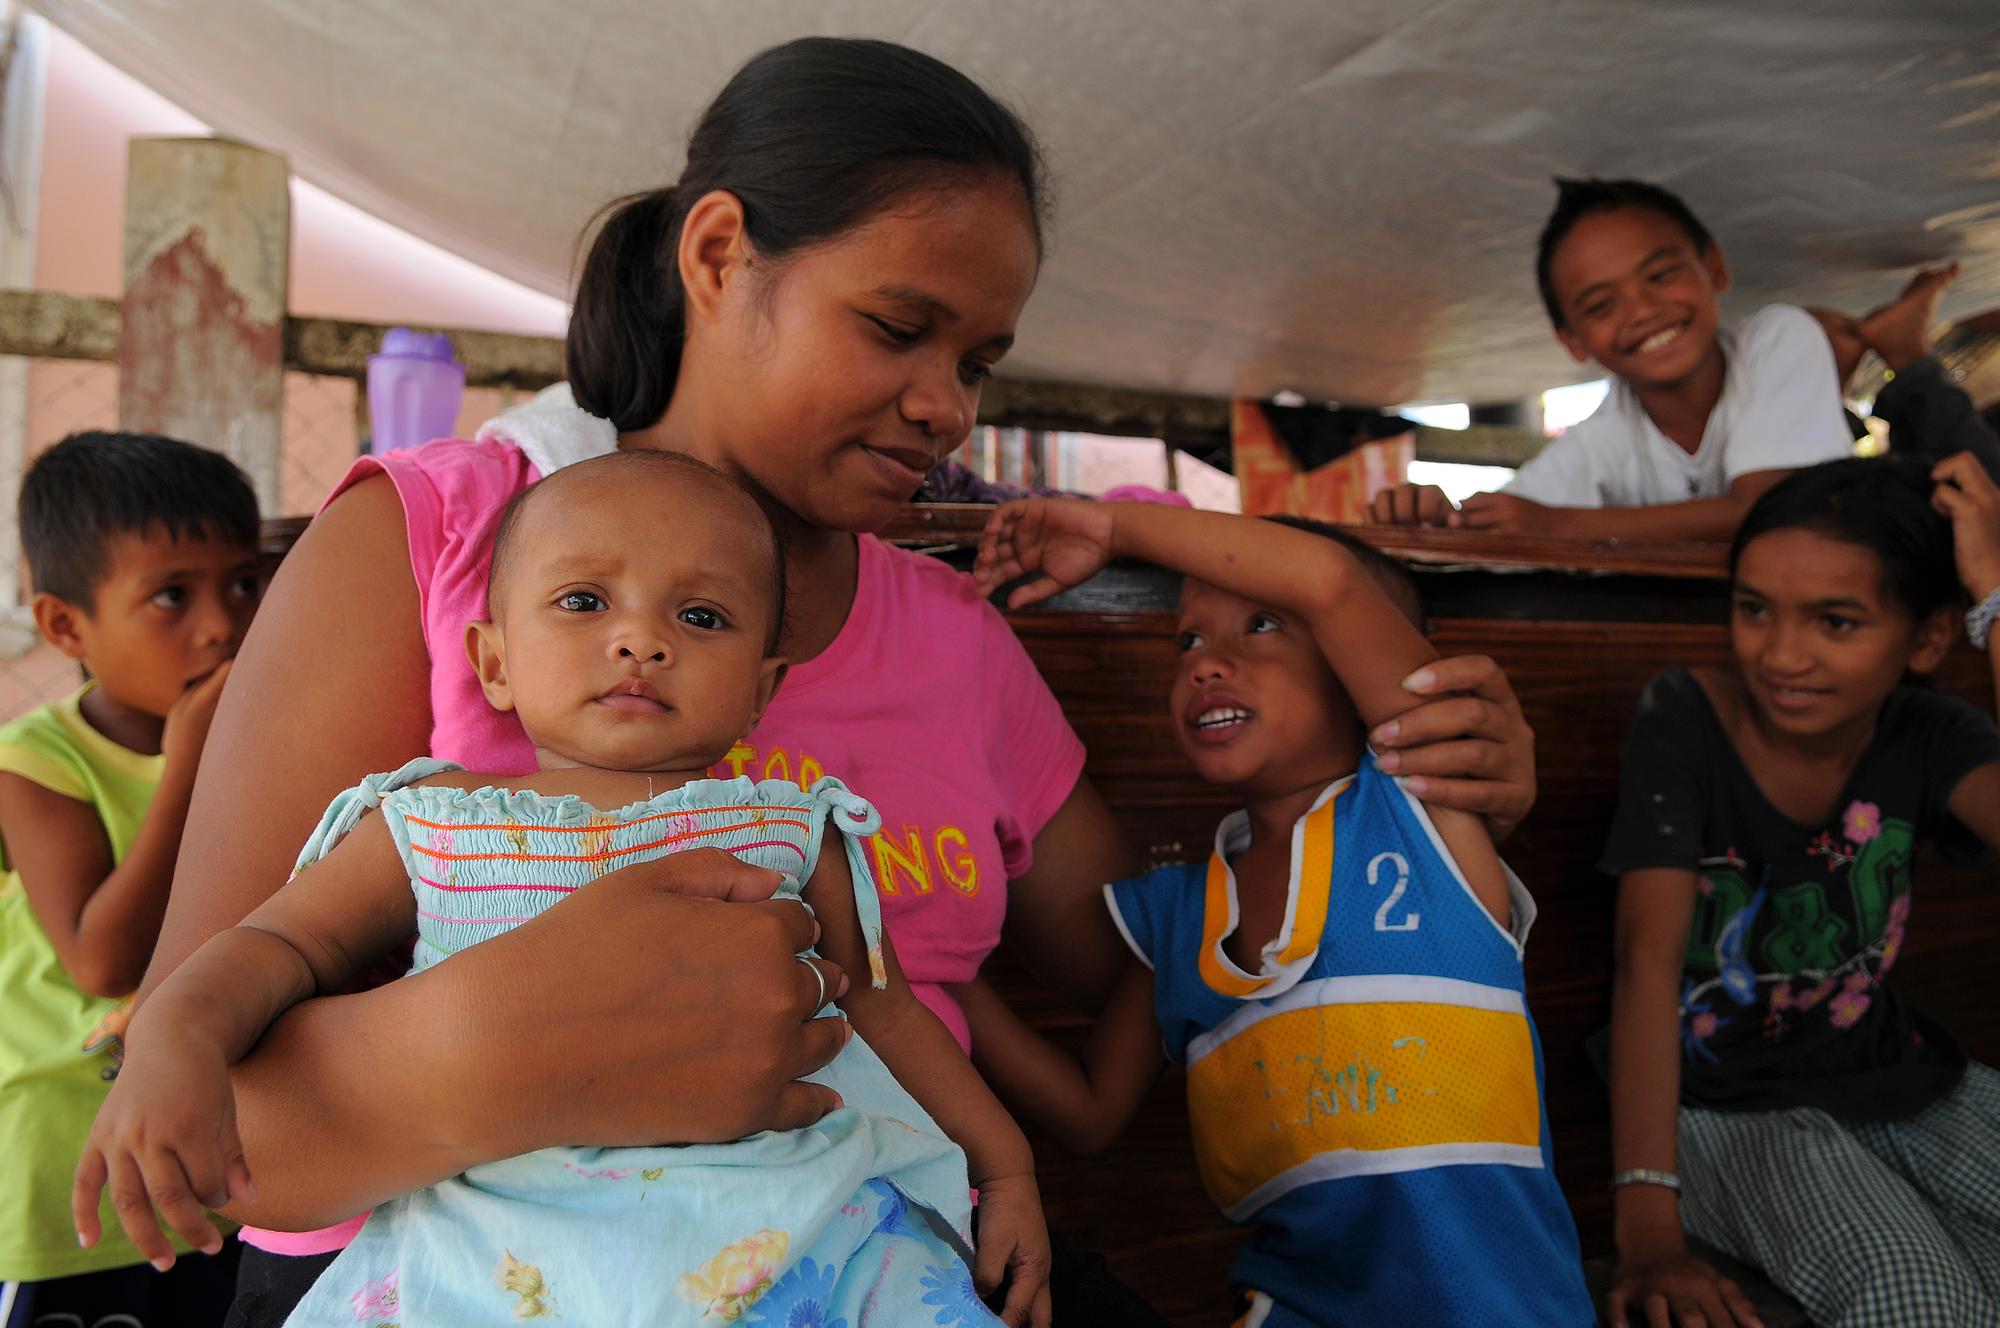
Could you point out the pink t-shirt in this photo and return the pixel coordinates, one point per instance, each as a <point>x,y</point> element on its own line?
<point>925,704</point>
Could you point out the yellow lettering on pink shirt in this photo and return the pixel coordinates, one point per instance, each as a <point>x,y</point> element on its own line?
<point>959,868</point>
<point>778,766</point>
<point>740,758</point>
<point>908,858</point>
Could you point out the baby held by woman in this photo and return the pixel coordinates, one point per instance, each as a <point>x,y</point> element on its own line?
<point>636,609</point>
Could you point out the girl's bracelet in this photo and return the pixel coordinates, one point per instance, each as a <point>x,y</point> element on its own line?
<point>1979,618</point>
<point>1646,1176</point>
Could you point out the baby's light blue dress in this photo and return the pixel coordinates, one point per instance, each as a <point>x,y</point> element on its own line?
<point>859,1219</point>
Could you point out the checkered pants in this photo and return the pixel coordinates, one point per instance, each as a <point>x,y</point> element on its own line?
<point>1867,1226</point>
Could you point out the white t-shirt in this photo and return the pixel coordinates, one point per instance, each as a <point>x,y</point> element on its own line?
<point>1780,410</point>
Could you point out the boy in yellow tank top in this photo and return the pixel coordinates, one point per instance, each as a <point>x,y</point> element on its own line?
<point>144,559</point>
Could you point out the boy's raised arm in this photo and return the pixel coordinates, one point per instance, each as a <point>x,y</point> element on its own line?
<point>1371,645</point>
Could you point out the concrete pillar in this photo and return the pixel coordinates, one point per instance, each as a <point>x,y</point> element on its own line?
<point>201,354</point>
<point>24,47</point>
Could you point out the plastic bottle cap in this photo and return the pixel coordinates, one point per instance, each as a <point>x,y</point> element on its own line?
<point>406,343</point>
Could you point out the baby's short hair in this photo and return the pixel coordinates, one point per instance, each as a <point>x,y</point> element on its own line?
<point>510,520</point>
<point>94,485</point>
<point>1386,572</point>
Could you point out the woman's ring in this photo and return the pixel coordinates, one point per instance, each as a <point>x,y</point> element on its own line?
<point>820,977</point>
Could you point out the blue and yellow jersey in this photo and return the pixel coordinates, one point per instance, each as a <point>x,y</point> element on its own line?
<point>1370,1100</point>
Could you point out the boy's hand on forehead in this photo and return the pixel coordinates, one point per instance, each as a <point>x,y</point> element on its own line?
<point>1060,542</point>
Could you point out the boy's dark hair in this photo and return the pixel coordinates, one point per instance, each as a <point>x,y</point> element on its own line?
<point>510,518</point>
<point>1882,504</point>
<point>94,485</point>
<point>1394,578</point>
<point>814,137</point>
<point>1577,199</point>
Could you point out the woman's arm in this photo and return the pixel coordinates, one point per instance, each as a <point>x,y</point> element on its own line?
<point>331,685</point>
<point>1085,1106</point>
<point>354,1099</point>
<point>1056,919</point>
<point>1655,907</point>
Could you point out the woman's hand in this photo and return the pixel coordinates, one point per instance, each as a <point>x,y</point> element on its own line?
<point>1470,748</point>
<point>1678,1289</point>
<point>654,1007</point>
<point>1014,1250</point>
<point>1968,498</point>
<point>686,1012</point>
<point>1061,542</point>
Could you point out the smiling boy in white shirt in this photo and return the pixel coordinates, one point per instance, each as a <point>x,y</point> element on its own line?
<point>1699,420</point>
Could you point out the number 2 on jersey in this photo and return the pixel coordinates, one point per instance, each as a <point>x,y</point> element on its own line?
<point>1410,920</point>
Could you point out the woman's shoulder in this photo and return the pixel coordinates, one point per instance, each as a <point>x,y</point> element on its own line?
<point>457,464</point>
<point>917,585</point>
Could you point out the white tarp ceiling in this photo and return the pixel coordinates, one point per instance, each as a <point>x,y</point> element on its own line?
<point>1332,196</point>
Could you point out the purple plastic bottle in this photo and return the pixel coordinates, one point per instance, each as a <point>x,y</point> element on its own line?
<point>414,386</point>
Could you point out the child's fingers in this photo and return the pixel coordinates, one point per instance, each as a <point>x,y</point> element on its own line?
<point>135,1211</point>
<point>1034,592</point>
<point>989,1262</point>
<point>83,1196</point>
<point>242,1189</point>
<point>1739,1305</point>
<point>1026,1280</point>
<point>1964,470</point>
<point>1951,503</point>
<point>175,1192</point>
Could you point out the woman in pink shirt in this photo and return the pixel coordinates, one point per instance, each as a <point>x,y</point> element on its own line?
<point>812,309</point>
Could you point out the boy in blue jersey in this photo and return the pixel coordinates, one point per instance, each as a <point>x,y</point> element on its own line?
<point>1341,979</point>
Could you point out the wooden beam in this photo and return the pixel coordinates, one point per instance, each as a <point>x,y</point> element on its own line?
<point>1479,444</point>
<point>43,323</point>
<point>51,325</point>
<point>201,352</point>
<point>1199,423</point>
<point>340,348</point>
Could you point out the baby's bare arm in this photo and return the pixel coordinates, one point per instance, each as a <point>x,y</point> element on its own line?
<point>349,908</point>
<point>912,1041</point>
<point>167,1134</point>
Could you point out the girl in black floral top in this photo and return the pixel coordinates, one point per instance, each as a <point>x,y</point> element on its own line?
<point>1820,1127</point>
